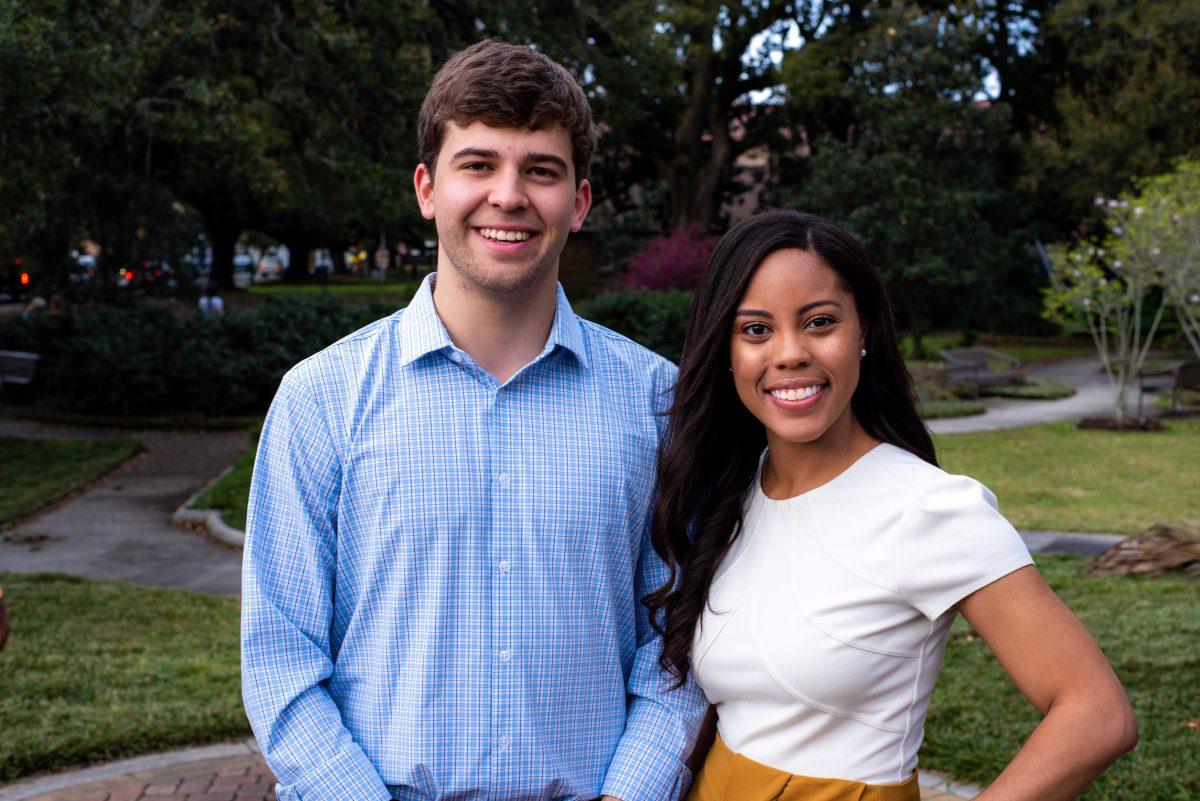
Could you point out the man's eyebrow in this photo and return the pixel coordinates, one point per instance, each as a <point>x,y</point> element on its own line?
<point>807,307</point>
<point>543,158</point>
<point>476,152</point>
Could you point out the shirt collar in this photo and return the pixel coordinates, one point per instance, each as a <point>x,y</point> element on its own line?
<point>422,330</point>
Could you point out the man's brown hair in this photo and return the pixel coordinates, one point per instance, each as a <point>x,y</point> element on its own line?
<point>505,86</point>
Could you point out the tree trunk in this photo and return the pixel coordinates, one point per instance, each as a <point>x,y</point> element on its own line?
<point>223,238</point>
<point>300,246</point>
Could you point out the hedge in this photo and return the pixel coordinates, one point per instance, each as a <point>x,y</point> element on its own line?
<point>152,359</point>
<point>149,359</point>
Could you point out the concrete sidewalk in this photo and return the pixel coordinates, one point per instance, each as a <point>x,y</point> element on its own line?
<point>120,527</point>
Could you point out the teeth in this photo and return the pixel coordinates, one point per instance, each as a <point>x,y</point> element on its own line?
<point>797,394</point>
<point>505,236</point>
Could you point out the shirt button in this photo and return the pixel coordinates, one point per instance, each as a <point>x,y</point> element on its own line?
<point>504,741</point>
<point>506,656</point>
<point>504,479</point>
<point>504,565</point>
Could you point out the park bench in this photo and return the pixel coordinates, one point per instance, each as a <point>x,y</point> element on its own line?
<point>979,367</point>
<point>1174,377</point>
<point>16,367</point>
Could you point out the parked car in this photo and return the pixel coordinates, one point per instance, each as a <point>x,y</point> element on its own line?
<point>270,267</point>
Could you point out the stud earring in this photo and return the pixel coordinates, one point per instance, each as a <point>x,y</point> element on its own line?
<point>862,352</point>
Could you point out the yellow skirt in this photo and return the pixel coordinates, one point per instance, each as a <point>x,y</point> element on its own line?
<point>727,776</point>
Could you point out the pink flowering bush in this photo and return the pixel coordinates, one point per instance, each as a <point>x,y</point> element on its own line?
<point>674,261</point>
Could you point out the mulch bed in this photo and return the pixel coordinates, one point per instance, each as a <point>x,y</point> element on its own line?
<point>1111,424</point>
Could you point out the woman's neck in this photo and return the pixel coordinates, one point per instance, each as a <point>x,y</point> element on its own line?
<point>793,468</point>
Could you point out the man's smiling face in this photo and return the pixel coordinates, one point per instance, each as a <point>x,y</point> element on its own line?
<point>504,201</point>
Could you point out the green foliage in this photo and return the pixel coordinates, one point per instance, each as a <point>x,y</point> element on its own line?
<point>654,319</point>
<point>1110,290</point>
<point>1030,389</point>
<point>1124,75</point>
<point>101,670</point>
<point>35,472</point>
<point>951,407</point>
<point>1147,627</point>
<point>146,359</point>
<point>912,165</point>
<point>1170,228</point>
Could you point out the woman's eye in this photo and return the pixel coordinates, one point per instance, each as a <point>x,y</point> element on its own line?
<point>821,322</point>
<point>755,330</point>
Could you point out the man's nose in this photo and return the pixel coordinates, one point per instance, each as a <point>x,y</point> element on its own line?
<point>508,190</point>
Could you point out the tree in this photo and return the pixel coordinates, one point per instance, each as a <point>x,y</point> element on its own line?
<point>1126,83</point>
<point>906,158</point>
<point>1169,223</point>
<point>1110,290</point>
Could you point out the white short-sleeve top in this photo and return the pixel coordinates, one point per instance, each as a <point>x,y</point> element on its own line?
<point>827,620</point>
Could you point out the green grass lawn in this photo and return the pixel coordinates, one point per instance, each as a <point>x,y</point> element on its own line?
<point>1057,478</point>
<point>98,670</point>
<point>231,494</point>
<point>34,472</point>
<point>1150,631</point>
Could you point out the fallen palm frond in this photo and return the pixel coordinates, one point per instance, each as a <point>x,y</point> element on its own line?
<point>1159,549</point>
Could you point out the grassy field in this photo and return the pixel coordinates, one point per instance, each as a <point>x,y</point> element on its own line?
<point>1057,478</point>
<point>100,670</point>
<point>232,492</point>
<point>97,670</point>
<point>35,472</point>
<point>1150,631</point>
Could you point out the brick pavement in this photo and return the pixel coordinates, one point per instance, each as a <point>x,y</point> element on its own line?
<point>233,778</point>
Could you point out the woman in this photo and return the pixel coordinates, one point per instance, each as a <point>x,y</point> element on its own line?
<point>819,555</point>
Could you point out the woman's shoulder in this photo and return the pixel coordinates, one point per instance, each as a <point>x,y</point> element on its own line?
<point>926,487</point>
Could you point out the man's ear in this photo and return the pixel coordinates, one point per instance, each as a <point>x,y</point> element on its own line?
<point>583,203</point>
<point>423,184</point>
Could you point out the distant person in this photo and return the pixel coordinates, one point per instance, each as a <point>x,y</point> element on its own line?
<point>447,539</point>
<point>211,304</point>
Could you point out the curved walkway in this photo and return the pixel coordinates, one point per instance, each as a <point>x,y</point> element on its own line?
<point>1092,398</point>
<point>120,526</point>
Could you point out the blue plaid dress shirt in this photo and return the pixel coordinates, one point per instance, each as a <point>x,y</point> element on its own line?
<point>442,573</point>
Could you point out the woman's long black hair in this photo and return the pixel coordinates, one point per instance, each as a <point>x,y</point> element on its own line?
<point>713,442</point>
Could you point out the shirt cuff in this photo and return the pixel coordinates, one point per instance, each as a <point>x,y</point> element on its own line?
<point>348,775</point>
<point>642,771</point>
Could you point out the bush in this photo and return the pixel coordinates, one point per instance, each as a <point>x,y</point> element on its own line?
<point>146,359</point>
<point>675,261</point>
<point>654,319</point>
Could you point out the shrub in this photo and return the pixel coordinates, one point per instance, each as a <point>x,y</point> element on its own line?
<point>654,319</point>
<point>675,261</point>
<point>146,359</point>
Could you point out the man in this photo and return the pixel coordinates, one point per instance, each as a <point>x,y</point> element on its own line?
<point>447,535</point>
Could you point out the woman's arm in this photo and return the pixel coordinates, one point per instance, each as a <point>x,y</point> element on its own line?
<point>1087,720</point>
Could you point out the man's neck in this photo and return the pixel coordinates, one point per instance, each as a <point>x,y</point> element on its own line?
<point>501,333</point>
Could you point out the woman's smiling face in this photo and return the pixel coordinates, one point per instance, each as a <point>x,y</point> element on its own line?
<point>795,348</point>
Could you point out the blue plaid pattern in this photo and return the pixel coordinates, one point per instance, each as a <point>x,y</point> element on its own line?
<point>441,574</point>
